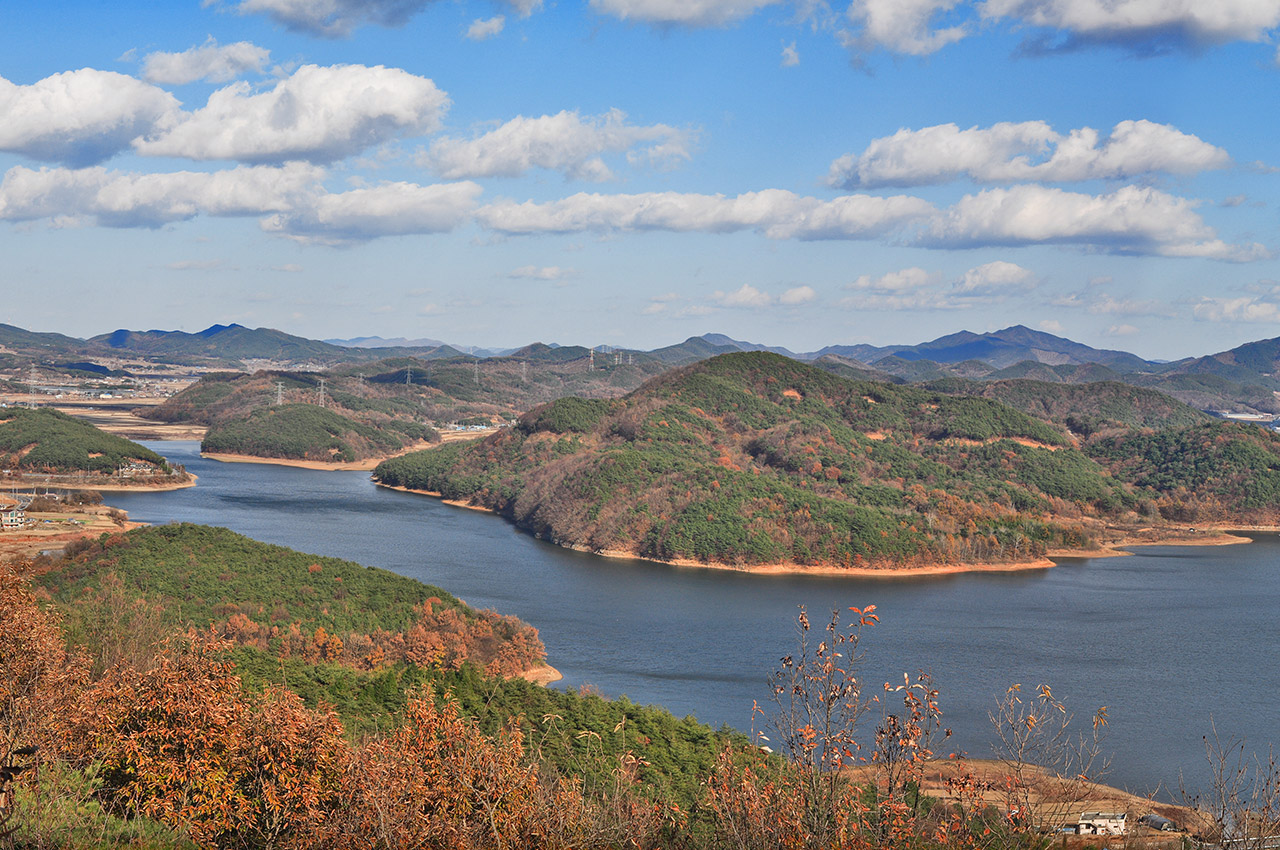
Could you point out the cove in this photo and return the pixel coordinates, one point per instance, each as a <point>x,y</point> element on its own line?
<point>1170,639</point>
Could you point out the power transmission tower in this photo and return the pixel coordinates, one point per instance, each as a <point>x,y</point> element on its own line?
<point>279,393</point>
<point>320,391</point>
<point>524,371</point>
<point>475,367</point>
<point>32,380</point>
<point>591,360</point>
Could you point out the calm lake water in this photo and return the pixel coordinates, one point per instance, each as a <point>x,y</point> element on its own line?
<point>1170,639</point>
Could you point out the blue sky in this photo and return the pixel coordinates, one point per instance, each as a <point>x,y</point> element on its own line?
<point>633,172</point>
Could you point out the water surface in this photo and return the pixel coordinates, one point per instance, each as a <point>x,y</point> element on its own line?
<point>1171,639</point>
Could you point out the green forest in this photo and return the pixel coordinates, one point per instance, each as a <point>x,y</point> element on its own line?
<point>756,459</point>
<point>309,432</point>
<point>45,440</point>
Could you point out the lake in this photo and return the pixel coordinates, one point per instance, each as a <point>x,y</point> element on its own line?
<point>1171,639</point>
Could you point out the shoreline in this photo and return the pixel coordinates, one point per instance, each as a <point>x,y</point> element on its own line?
<point>190,481</point>
<point>365,465</point>
<point>540,676</point>
<point>1214,535</point>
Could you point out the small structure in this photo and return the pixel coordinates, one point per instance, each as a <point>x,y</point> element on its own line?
<point>1158,823</point>
<point>1102,823</point>
<point>12,516</point>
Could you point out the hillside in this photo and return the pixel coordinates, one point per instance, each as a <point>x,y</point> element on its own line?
<point>308,432</point>
<point>46,441</point>
<point>1086,409</point>
<point>755,459</point>
<point>285,603</point>
<point>192,628</point>
<point>411,388</point>
<point>751,459</point>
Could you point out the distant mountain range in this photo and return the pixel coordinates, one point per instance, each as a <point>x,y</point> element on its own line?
<point>1243,378</point>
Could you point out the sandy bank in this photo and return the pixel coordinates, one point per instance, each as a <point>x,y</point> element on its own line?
<point>43,482</point>
<point>544,675</point>
<point>365,465</point>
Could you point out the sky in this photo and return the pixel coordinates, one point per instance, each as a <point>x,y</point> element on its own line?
<point>634,172</point>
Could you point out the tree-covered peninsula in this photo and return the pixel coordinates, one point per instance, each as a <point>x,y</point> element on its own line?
<point>755,459</point>
<point>46,442</point>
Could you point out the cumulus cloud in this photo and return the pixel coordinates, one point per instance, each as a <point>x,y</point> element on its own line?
<point>1243,309</point>
<point>790,56</point>
<point>318,114</point>
<point>695,13</point>
<point>903,26</point>
<point>1026,151</point>
<point>332,18</point>
<point>996,277</point>
<point>776,213</point>
<point>209,62</point>
<point>564,142</point>
<point>1130,220</point>
<point>916,289</point>
<point>798,295</point>
<point>541,273</point>
<point>123,199</point>
<point>80,117</point>
<point>1143,23</point>
<point>744,296</point>
<point>1053,326</point>
<point>391,209</point>
<point>1121,330</point>
<point>483,28</point>
<point>921,27</point>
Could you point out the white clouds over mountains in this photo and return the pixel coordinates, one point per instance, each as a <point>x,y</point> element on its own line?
<point>1026,151</point>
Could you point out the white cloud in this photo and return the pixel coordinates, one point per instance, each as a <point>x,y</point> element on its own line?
<point>1053,326</point>
<point>745,296</point>
<point>1130,23</point>
<point>921,27</point>
<point>916,289</point>
<point>1243,309</point>
<point>995,277</point>
<point>541,273</point>
<point>332,18</point>
<point>563,142</point>
<point>319,114</point>
<point>122,199</point>
<point>790,56</point>
<point>391,209</point>
<point>1026,151</point>
<point>776,213</point>
<point>206,62</point>
<point>797,295</point>
<point>698,13</point>
<point>1130,220</point>
<point>80,117</point>
<point>903,26</point>
<point>1121,330</point>
<point>483,28</point>
<point>525,7</point>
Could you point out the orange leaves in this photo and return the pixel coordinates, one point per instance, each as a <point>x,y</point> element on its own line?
<point>184,744</point>
<point>866,616</point>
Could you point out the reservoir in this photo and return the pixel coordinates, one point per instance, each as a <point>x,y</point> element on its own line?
<point>1172,640</point>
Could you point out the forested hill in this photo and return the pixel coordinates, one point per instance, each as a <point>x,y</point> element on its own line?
<point>756,459</point>
<point>308,432</point>
<point>1086,409</point>
<point>44,440</point>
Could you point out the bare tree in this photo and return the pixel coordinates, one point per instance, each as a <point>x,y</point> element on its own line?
<point>1048,764</point>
